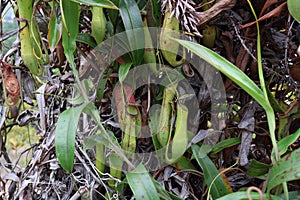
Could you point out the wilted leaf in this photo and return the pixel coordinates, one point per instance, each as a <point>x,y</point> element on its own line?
<point>11,84</point>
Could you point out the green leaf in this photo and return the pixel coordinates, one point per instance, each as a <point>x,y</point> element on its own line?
<point>87,39</point>
<point>101,86</point>
<point>240,78</point>
<point>113,16</point>
<point>294,8</point>
<point>132,20</point>
<point>225,144</point>
<point>275,104</point>
<point>292,195</point>
<point>70,15</point>
<point>91,141</point>
<point>243,195</point>
<point>54,29</point>
<point>227,68</point>
<point>287,141</point>
<point>65,136</point>
<point>258,168</point>
<point>184,163</point>
<point>123,71</point>
<point>100,3</point>
<point>141,184</point>
<point>219,187</point>
<point>286,169</point>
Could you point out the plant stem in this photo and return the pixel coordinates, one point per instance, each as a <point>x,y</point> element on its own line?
<point>268,108</point>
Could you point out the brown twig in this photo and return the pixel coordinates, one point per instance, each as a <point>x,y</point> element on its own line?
<point>218,7</point>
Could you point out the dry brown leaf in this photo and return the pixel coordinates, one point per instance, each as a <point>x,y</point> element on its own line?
<point>267,5</point>
<point>11,84</point>
<point>274,13</point>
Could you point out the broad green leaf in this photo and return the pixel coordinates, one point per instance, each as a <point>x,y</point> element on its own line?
<point>100,3</point>
<point>284,170</point>
<point>258,168</point>
<point>287,141</point>
<point>123,71</point>
<point>227,68</point>
<point>225,144</point>
<point>132,20</point>
<point>219,187</point>
<point>243,196</point>
<point>294,8</point>
<point>87,39</point>
<point>141,184</point>
<point>54,29</point>
<point>70,16</point>
<point>65,136</point>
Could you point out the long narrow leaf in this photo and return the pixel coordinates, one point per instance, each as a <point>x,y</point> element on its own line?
<point>65,136</point>
<point>219,187</point>
<point>132,20</point>
<point>243,195</point>
<point>227,68</point>
<point>287,141</point>
<point>237,76</point>
<point>70,16</point>
<point>54,30</point>
<point>100,3</point>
